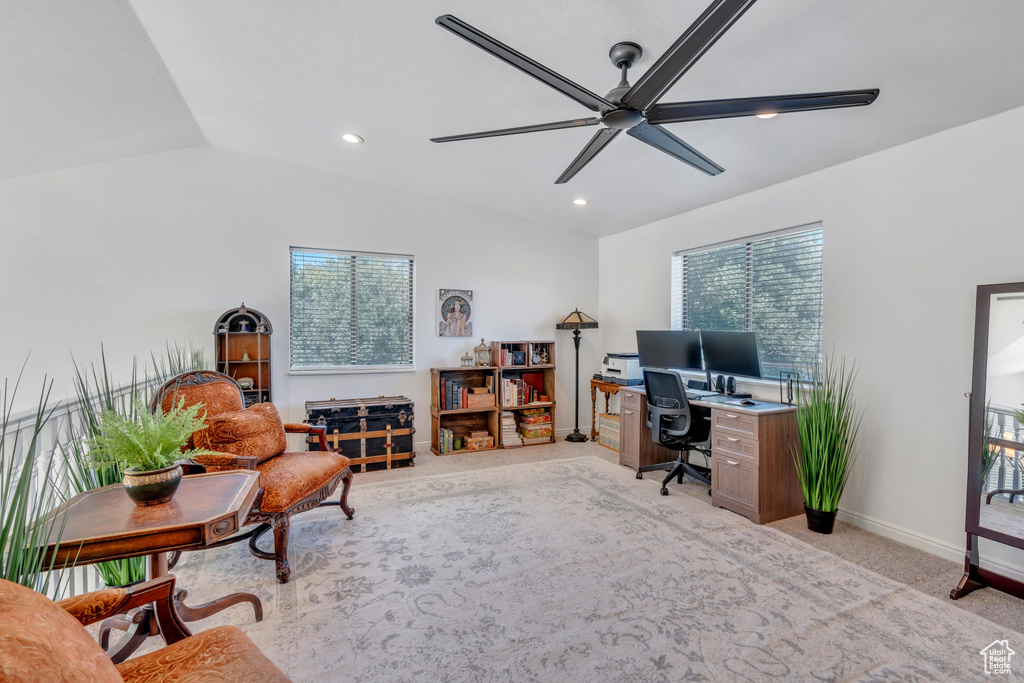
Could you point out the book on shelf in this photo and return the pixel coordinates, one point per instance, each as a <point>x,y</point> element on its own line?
<point>510,437</point>
<point>445,440</point>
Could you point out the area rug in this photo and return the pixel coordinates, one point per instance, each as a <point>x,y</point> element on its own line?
<point>573,570</point>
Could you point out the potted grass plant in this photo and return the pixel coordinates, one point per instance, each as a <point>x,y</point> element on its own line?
<point>827,423</point>
<point>96,392</point>
<point>147,447</point>
<point>28,493</point>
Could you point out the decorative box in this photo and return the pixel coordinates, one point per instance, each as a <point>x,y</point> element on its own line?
<point>374,433</point>
<point>608,430</point>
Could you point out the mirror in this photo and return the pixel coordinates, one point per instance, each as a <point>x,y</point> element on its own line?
<point>996,475</point>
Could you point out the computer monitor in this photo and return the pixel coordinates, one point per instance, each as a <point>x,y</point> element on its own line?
<point>673,349</point>
<point>730,353</point>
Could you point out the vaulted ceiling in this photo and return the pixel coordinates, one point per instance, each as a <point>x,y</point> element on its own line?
<point>94,80</point>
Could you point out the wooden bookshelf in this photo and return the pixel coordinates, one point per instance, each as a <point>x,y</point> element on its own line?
<point>463,420</point>
<point>538,359</point>
<point>242,331</point>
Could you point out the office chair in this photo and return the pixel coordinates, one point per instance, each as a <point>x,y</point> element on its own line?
<point>676,425</point>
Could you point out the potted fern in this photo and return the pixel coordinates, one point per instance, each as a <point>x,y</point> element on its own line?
<point>147,447</point>
<point>827,422</point>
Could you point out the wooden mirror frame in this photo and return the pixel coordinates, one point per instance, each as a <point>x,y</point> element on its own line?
<point>975,576</point>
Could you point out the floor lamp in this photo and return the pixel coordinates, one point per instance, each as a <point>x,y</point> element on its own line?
<point>577,321</point>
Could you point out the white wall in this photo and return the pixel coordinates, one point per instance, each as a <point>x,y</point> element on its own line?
<point>136,252</point>
<point>908,234</point>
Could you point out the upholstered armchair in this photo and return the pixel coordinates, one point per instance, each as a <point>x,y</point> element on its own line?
<point>42,640</point>
<point>254,438</point>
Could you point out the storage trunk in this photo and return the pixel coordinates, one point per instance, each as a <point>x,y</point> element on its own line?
<point>374,433</point>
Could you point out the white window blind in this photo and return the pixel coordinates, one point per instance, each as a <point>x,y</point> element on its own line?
<point>350,310</point>
<point>771,285</point>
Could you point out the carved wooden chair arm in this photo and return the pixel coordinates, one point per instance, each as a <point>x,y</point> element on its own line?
<point>228,460</point>
<point>306,428</point>
<point>97,605</point>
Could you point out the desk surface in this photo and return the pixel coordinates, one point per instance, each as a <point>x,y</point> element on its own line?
<point>732,404</point>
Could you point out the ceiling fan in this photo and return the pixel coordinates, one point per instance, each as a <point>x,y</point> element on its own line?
<point>635,109</point>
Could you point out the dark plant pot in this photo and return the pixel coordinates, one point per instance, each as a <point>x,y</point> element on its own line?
<point>152,487</point>
<point>819,521</point>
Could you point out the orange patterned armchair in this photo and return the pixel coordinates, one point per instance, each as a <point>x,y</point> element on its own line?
<point>254,438</point>
<point>43,641</point>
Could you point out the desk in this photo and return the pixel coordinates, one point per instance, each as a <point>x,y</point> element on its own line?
<point>609,389</point>
<point>104,524</point>
<point>752,470</point>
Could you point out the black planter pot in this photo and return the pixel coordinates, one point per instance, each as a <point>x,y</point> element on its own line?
<point>819,521</point>
<point>152,487</point>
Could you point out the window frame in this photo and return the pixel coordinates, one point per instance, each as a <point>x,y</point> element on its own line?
<point>678,298</point>
<point>353,369</point>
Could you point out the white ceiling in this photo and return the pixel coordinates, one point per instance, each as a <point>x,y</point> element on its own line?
<point>80,83</point>
<point>284,79</point>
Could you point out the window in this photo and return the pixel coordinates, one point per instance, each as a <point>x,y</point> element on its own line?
<point>767,284</point>
<point>350,311</point>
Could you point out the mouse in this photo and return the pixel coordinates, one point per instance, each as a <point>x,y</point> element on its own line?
<point>747,402</point>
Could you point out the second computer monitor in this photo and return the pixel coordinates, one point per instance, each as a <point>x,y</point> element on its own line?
<point>731,353</point>
<point>675,349</point>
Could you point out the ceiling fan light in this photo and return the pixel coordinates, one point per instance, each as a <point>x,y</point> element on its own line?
<point>352,137</point>
<point>767,115</point>
<point>579,201</point>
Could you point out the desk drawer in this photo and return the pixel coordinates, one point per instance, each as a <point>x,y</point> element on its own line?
<point>630,399</point>
<point>735,480</point>
<point>735,447</point>
<point>738,423</point>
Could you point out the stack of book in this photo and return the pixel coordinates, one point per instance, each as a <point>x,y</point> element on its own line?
<point>446,440</point>
<point>535,426</point>
<point>510,438</point>
<point>521,391</point>
<point>454,396</point>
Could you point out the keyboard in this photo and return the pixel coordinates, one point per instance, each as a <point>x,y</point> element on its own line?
<point>699,393</point>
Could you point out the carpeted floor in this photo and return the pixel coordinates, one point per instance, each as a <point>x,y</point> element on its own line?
<point>570,569</point>
<point>918,569</point>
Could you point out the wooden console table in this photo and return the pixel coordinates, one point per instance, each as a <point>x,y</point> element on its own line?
<point>104,524</point>
<point>609,389</point>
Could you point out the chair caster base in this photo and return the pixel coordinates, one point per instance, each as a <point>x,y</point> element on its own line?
<point>639,475</point>
<point>664,491</point>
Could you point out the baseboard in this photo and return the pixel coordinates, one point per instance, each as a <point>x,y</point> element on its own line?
<point>927,543</point>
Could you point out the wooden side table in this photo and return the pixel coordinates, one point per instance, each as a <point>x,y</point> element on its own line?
<point>609,389</point>
<point>104,524</point>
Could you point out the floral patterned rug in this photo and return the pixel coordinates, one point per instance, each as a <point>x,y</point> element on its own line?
<point>572,570</point>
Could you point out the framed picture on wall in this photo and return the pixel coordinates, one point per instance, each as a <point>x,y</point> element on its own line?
<point>455,313</point>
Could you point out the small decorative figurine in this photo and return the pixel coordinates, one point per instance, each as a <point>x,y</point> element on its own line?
<point>245,353</point>
<point>243,326</point>
<point>467,360</point>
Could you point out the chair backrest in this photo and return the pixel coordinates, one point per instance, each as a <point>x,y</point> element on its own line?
<point>669,414</point>
<point>39,641</point>
<point>218,392</point>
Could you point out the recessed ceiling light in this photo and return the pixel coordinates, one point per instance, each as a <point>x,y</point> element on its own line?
<point>767,115</point>
<point>580,201</point>
<point>352,137</point>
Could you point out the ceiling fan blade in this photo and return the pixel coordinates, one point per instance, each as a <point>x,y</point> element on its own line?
<point>685,52</point>
<point>659,138</point>
<point>596,144</point>
<point>751,106</point>
<point>575,123</point>
<point>524,64</point>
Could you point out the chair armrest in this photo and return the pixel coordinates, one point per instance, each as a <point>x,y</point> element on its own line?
<point>218,459</point>
<point>92,607</point>
<point>306,428</point>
